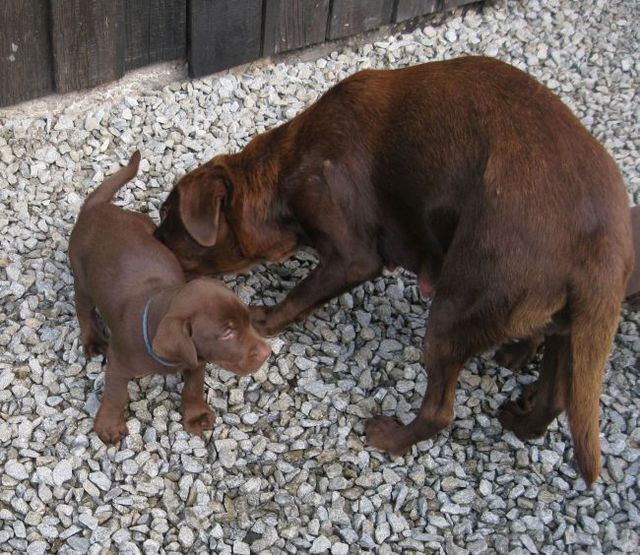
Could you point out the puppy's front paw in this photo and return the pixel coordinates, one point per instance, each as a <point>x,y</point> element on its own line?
<point>110,430</point>
<point>387,434</point>
<point>199,419</point>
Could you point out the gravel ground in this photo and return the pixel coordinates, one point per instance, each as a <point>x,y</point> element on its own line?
<point>286,468</point>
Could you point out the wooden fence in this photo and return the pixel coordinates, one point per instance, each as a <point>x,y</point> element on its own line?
<point>51,46</point>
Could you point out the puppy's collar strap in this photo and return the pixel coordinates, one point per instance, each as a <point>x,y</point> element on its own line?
<point>147,343</point>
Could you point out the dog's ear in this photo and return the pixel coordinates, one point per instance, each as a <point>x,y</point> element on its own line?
<point>173,341</point>
<point>201,196</point>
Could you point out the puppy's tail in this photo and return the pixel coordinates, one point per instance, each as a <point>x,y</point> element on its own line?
<point>595,314</point>
<point>105,191</point>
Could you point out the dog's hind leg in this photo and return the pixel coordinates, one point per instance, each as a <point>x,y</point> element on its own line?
<point>94,341</point>
<point>449,341</point>
<point>516,355</point>
<point>540,402</point>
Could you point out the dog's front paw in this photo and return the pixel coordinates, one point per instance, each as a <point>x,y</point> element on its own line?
<point>110,430</point>
<point>198,419</point>
<point>263,320</point>
<point>387,434</point>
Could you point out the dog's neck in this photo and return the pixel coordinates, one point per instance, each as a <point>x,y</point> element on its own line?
<point>155,308</point>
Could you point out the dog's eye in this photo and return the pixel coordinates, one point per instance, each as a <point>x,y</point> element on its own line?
<point>228,333</point>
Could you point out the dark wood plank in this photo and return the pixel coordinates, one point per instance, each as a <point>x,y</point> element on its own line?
<point>291,24</point>
<point>451,4</point>
<point>349,17</point>
<point>223,34</point>
<point>155,30</point>
<point>25,51</point>
<point>88,42</point>
<point>408,9</point>
<point>136,26</point>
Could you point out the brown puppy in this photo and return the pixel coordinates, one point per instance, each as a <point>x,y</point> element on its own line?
<point>159,324</point>
<point>467,172</point>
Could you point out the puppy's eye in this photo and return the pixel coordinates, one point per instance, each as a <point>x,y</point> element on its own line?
<point>228,333</point>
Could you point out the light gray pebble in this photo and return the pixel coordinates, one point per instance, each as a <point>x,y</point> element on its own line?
<point>16,470</point>
<point>62,472</point>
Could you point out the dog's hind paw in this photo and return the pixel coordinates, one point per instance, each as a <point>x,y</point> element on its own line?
<point>516,416</point>
<point>517,355</point>
<point>387,434</point>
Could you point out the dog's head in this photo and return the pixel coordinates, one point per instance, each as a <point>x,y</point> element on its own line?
<point>194,223</point>
<point>216,224</point>
<point>207,322</point>
<point>227,215</point>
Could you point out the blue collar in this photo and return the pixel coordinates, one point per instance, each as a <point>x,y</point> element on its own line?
<point>147,343</point>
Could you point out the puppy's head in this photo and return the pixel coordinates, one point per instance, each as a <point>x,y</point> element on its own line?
<point>196,223</point>
<point>207,322</point>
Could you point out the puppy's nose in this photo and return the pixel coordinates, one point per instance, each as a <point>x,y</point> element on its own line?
<point>261,352</point>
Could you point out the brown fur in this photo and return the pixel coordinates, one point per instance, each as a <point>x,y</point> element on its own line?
<point>467,172</point>
<point>633,286</point>
<point>118,267</point>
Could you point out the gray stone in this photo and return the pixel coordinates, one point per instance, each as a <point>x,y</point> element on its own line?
<point>62,472</point>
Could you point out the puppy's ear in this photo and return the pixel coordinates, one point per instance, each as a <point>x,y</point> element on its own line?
<point>201,196</point>
<point>173,341</point>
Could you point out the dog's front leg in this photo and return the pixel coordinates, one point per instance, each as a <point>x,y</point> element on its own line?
<point>110,424</point>
<point>197,415</point>
<point>333,275</point>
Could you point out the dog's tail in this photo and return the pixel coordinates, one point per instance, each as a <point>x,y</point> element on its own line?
<point>105,191</point>
<point>595,311</point>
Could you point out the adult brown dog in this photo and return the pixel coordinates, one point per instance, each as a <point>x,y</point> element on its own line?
<point>158,324</point>
<point>467,172</point>
<point>633,287</point>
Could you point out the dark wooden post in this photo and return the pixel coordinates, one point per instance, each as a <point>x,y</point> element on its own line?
<point>88,42</point>
<point>25,51</point>
<point>408,9</point>
<point>291,24</point>
<point>349,17</point>
<point>155,30</point>
<point>224,33</point>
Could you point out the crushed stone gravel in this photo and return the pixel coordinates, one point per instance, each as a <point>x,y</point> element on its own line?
<point>286,469</point>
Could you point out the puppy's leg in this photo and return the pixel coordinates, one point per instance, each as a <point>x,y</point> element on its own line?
<point>110,424</point>
<point>196,414</point>
<point>94,342</point>
<point>518,354</point>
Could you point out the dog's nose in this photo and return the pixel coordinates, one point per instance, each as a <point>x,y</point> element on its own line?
<point>261,352</point>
